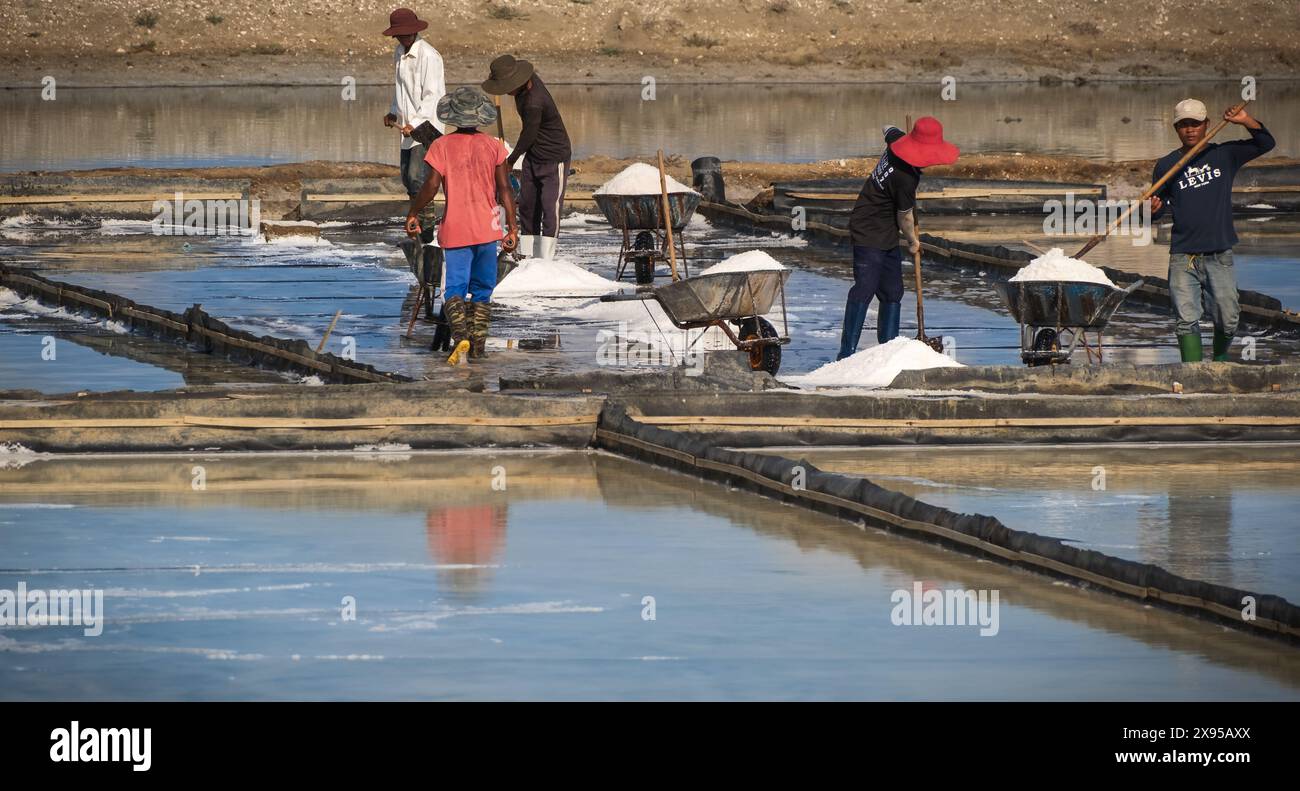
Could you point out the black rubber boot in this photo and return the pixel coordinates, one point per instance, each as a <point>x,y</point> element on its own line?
<point>855,315</point>
<point>887,321</point>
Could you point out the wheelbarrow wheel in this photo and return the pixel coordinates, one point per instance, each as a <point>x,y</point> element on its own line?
<point>766,357</point>
<point>643,257</point>
<point>1047,340</point>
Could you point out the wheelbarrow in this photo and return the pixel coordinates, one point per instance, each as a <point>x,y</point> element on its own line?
<point>642,215</point>
<point>726,300</point>
<point>1052,312</point>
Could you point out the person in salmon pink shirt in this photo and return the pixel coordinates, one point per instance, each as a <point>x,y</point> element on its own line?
<point>470,168</point>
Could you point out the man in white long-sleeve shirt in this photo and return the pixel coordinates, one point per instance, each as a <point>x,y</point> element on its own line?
<point>420,84</point>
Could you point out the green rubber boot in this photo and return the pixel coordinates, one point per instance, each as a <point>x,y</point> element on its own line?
<point>1190,348</point>
<point>1221,344</point>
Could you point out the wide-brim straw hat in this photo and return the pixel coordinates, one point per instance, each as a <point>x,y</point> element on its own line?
<point>466,107</point>
<point>924,145</point>
<point>507,73</point>
<point>404,22</point>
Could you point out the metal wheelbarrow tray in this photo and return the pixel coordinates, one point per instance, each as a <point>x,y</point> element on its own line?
<point>645,212</point>
<point>1047,309</point>
<point>717,300</point>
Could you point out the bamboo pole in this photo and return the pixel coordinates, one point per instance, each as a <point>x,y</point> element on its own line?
<point>321,346</point>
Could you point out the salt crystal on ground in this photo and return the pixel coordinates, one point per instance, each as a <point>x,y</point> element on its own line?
<point>876,366</point>
<point>1055,265</point>
<point>639,179</point>
<point>752,261</point>
<point>536,276</point>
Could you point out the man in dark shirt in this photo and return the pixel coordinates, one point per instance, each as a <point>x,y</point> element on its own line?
<point>884,209</point>
<point>1201,272</point>
<point>546,143</point>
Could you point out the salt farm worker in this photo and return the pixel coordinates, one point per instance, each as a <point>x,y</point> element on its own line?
<point>546,143</point>
<point>1201,272</point>
<point>420,84</point>
<point>470,167</point>
<point>883,210</point>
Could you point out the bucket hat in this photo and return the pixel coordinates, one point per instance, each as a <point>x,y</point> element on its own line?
<point>506,73</point>
<point>466,107</point>
<point>924,145</point>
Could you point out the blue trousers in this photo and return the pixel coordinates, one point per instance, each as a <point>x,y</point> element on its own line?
<point>471,270</point>
<point>1200,284</point>
<point>877,273</point>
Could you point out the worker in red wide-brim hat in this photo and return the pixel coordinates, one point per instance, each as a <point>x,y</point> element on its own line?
<point>884,210</point>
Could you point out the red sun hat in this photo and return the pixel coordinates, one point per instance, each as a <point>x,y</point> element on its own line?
<point>924,145</point>
<point>404,22</point>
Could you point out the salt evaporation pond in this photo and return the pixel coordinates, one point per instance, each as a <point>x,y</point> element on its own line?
<point>463,591</point>
<point>1221,513</point>
<point>291,291</point>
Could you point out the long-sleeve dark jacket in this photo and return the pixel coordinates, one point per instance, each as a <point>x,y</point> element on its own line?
<point>544,138</point>
<point>1200,195</point>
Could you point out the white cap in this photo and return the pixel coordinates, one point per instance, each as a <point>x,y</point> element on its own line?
<point>1190,108</point>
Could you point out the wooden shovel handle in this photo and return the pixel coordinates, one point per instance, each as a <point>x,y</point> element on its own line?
<point>916,271</point>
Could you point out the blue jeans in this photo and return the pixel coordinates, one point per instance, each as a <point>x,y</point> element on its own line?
<point>1200,284</point>
<point>471,270</point>
<point>414,169</point>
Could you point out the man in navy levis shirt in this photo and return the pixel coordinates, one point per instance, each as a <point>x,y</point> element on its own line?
<point>1200,250</point>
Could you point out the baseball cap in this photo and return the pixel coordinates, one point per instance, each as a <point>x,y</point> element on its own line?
<point>1190,108</point>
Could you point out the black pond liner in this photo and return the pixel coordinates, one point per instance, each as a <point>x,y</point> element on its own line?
<point>857,498</point>
<point>196,329</point>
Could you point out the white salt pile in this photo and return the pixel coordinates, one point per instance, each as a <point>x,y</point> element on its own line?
<point>876,366</point>
<point>539,276</point>
<point>1057,266</point>
<point>752,261</point>
<point>639,179</point>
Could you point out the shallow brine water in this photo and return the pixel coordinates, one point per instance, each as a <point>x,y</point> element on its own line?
<point>1219,513</point>
<point>291,290</point>
<point>538,576</point>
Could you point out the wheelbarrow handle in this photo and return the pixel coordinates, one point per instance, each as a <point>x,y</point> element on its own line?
<point>1134,286</point>
<point>623,296</point>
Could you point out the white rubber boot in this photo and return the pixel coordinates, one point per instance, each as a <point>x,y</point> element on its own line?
<point>546,247</point>
<point>526,246</point>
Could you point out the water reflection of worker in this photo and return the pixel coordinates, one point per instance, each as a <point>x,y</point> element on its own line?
<point>467,539</point>
<point>1200,529</point>
<point>545,142</point>
<point>1201,271</point>
<point>883,210</point>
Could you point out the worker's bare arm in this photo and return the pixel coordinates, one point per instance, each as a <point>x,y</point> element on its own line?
<point>431,186</point>
<point>507,198</point>
<point>907,225</point>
